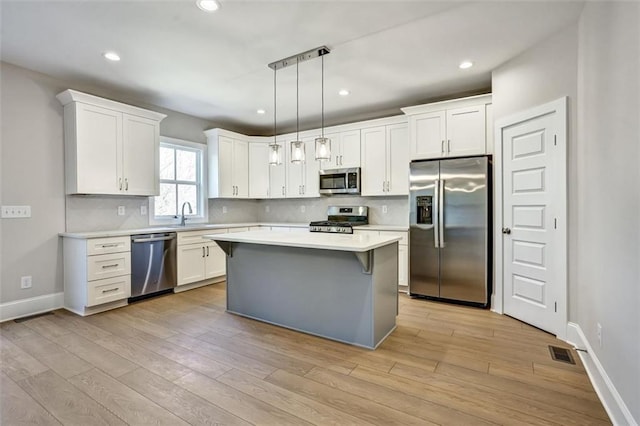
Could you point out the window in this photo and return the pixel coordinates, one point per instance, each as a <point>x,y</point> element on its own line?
<point>182,180</point>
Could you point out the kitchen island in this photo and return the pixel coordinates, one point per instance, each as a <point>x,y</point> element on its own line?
<point>341,287</point>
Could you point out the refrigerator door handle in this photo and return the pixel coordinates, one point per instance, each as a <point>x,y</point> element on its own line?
<point>440,200</point>
<point>436,214</point>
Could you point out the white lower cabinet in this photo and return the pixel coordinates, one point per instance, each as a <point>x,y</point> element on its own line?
<point>199,258</point>
<point>97,273</point>
<point>403,254</point>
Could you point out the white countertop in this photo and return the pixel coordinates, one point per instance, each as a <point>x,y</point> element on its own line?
<point>314,240</point>
<point>205,226</point>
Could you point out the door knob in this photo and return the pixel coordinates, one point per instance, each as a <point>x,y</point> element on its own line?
<point>506,231</point>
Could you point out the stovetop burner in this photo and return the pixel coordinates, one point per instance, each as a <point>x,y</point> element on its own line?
<point>341,220</point>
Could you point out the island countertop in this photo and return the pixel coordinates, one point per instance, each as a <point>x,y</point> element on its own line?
<point>313,240</point>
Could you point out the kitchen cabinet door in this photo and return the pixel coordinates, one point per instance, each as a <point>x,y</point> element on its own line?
<point>466,132</point>
<point>190,259</point>
<point>141,145</point>
<point>350,149</point>
<point>428,135</point>
<point>397,160</point>
<point>259,170</point>
<point>374,161</point>
<point>215,263</point>
<point>241,168</point>
<point>93,158</point>
<point>311,170</point>
<point>224,164</point>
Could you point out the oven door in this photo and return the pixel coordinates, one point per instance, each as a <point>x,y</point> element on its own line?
<point>340,181</point>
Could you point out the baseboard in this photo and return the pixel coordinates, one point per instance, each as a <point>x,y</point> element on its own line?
<point>611,400</point>
<point>33,305</point>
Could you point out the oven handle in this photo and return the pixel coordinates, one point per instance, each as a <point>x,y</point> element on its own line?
<point>150,240</point>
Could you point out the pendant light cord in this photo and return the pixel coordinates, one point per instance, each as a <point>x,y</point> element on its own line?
<point>297,101</point>
<point>275,106</point>
<point>322,92</point>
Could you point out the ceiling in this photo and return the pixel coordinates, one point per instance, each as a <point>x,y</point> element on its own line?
<point>388,54</point>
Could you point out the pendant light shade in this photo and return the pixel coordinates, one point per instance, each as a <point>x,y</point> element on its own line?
<point>323,145</point>
<point>275,157</point>
<point>297,152</point>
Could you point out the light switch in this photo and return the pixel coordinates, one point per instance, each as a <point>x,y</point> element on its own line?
<point>15,212</point>
<point>121,211</point>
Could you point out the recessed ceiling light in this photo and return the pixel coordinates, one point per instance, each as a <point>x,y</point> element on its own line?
<point>208,5</point>
<point>343,92</point>
<point>465,64</point>
<point>112,56</point>
<point>261,111</point>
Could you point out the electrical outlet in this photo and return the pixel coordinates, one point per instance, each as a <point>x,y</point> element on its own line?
<point>224,209</point>
<point>599,333</point>
<point>25,282</point>
<point>14,212</point>
<point>267,209</point>
<point>303,209</point>
<point>143,210</point>
<point>384,209</point>
<point>121,211</point>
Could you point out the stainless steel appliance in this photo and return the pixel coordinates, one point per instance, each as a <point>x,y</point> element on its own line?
<point>342,219</point>
<point>340,181</point>
<point>450,229</point>
<point>153,264</point>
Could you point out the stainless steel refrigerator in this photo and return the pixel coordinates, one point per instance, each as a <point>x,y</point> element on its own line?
<point>450,229</point>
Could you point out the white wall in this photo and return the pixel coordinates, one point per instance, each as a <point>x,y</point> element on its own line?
<point>609,191</point>
<point>544,73</point>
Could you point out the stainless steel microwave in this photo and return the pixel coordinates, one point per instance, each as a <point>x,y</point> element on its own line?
<point>340,181</point>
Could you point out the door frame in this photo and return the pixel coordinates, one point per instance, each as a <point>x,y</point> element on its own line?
<point>559,107</point>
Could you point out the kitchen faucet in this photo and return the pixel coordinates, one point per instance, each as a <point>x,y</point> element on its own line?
<point>184,219</point>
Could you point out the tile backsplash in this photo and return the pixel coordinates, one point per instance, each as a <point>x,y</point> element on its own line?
<point>86,213</point>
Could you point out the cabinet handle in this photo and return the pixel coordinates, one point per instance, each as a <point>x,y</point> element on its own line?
<point>442,147</point>
<point>303,189</point>
<point>207,251</point>
<point>126,184</point>
<point>110,245</point>
<point>120,183</point>
<point>114,265</point>
<point>202,251</point>
<point>341,162</point>
<point>383,187</point>
<point>448,146</point>
<point>110,290</point>
<point>283,190</point>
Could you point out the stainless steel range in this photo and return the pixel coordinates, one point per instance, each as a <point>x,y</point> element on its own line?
<point>342,219</point>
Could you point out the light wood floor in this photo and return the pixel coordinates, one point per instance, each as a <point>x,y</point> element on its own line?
<point>180,359</point>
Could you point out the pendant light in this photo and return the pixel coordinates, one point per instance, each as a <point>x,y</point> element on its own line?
<point>323,145</point>
<point>274,149</point>
<point>297,146</point>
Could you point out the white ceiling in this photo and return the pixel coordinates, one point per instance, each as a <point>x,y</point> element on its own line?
<point>389,54</point>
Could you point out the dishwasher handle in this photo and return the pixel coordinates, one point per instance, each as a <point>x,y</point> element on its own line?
<point>152,239</point>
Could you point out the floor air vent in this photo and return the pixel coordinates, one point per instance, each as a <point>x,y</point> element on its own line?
<point>30,317</point>
<point>561,354</point>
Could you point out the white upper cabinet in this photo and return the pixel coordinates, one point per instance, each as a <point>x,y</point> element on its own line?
<point>453,128</point>
<point>110,148</point>
<point>228,164</point>
<point>345,150</point>
<point>385,160</point>
<point>258,170</point>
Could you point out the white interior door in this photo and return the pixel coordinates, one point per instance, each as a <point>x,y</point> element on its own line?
<point>534,225</point>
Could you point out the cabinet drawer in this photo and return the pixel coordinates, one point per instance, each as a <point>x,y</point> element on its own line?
<point>108,245</point>
<point>197,237</point>
<point>108,290</point>
<point>108,265</point>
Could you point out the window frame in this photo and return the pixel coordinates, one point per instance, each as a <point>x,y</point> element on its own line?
<point>201,216</point>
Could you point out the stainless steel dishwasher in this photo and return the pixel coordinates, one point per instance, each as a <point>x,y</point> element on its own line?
<point>153,264</point>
